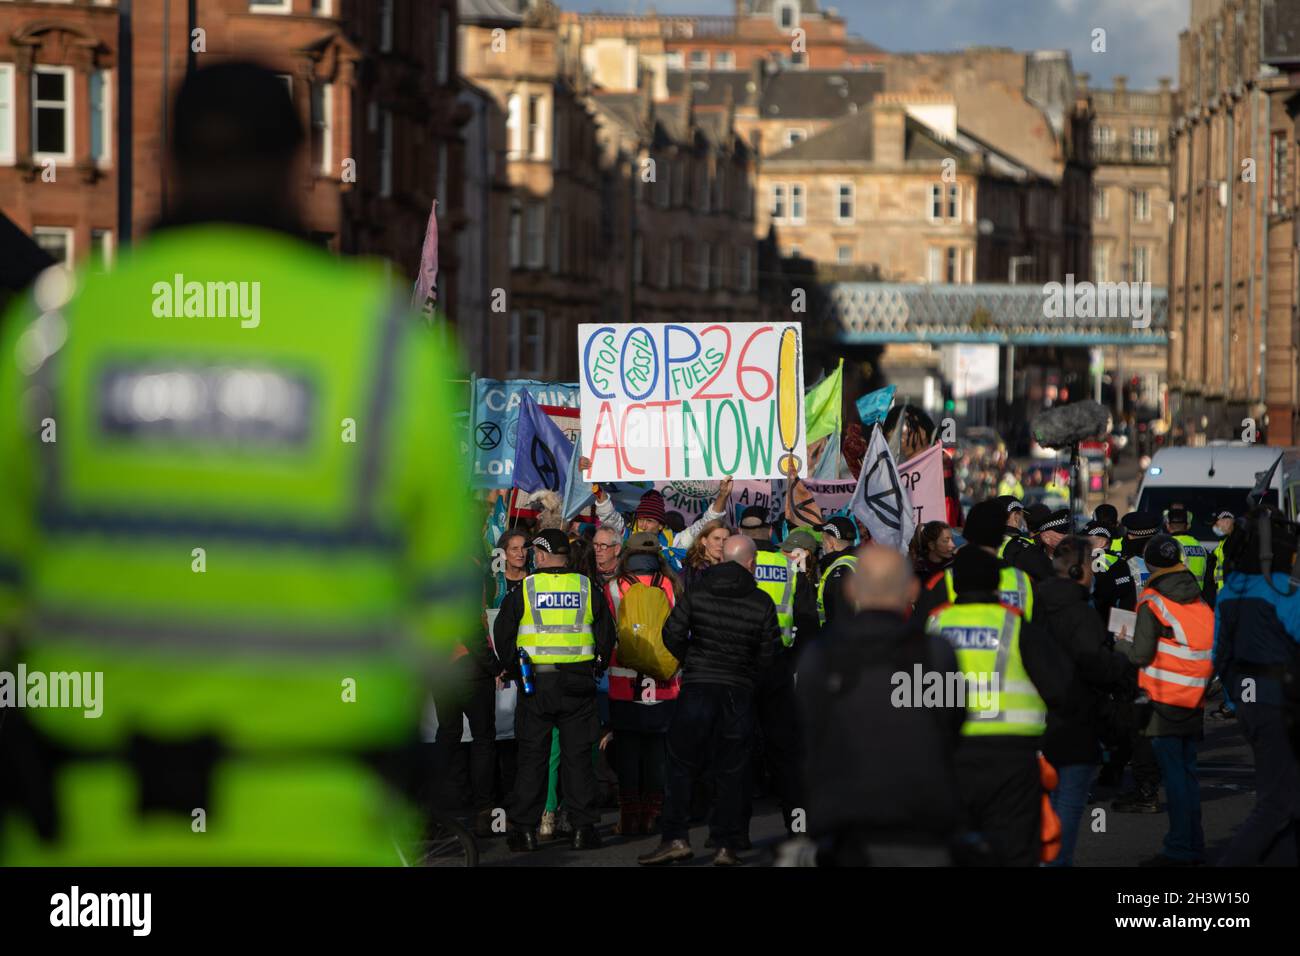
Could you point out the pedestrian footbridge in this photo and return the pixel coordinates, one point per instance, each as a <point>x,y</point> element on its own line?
<point>1086,314</point>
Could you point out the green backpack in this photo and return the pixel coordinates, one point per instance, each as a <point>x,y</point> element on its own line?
<point>641,615</point>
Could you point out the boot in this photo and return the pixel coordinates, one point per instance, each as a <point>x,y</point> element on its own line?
<point>652,807</point>
<point>1140,800</point>
<point>668,851</point>
<point>630,811</point>
<point>546,831</point>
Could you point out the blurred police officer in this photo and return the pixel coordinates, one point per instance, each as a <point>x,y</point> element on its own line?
<point>838,561</point>
<point>262,587</point>
<point>1178,521</point>
<point>565,628</point>
<point>983,529</point>
<point>1014,538</point>
<point>1048,529</point>
<point>1224,523</point>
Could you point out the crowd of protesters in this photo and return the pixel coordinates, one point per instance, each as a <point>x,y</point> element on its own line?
<point>1002,774</point>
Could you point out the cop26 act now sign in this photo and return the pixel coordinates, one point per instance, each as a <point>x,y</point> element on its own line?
<point>676,402</point>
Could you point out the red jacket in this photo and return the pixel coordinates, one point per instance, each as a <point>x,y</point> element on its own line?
<point>628,685</point>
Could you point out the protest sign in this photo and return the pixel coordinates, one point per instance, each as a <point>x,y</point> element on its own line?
<point>496,423</point>
<point>832,497</point>
<point>668,402</point>
<point>922,477</point>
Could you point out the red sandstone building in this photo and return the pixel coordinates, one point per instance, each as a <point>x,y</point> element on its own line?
<point>85,91</point>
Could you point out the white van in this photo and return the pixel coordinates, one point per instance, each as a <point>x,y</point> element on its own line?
<point>1215,478</point>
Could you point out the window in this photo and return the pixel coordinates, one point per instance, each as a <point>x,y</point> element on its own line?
<point>706,265</point>
<point>101,117</point>
<point>679,255</point>
<point>1103,142</point>
<point>844,255</point>
<point>699,59</point>
<point>844,202</point>
<point>778,202</point>
<point>665,269</point>
<point>534,237</point>
<point>101,248</point>
<point>799,59</point>
<point>322,126</point>
<point>675,60</point>
<point>322,8</point>
<point>793,136</point>
<point>1101,264</point>
<point>1100,203</point>
<point>557,241</point>
<point>1141,264</point>
<point>638,256</point>
<point>559,147</point>
<point>746,269</point>
<point>536,127</point>
<point>516,234</point>
<point>443,50</point>
<point>270,6</point>
<point>386,26</point>
<point>724,60</point>
<point>787,16</point>
<point>7,116</point>
<point>954,201</point>
<point>934,270</point>
<point>1142,205</point>
<point>1146,147</point>
<point>386,154</point>
<point>514,126</point>
<point>936,202</point>
<point>527,342</point>
<point>952,271</point>
<point>52,113</point>
<point>56,240</point>
<point>1277,174</point>
<point>796,203</point>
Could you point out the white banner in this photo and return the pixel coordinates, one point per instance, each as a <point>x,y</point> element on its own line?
<point>692,402</point>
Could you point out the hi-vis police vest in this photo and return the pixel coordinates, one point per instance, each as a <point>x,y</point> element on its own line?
<point>1007,539</point>
<point>1218,564</point>
<point>1014,590</point>
<point>1181,670</point>
<point>251,524</point>
<point>1001,700</point>
<point>1194,556</point>
<point>556,625</point>
<point>844,560</point>
<point>775,576</point>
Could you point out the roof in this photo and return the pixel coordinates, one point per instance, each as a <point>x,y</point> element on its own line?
<point>672,119</point>
<point>785,94</point>
<point>849,139</point>
<point>505,12</point>
<point>624,108</point>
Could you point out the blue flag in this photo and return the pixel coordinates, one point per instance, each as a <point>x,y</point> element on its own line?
<point>874,406</point>
<point>578,494</point>
<point>542,452</point>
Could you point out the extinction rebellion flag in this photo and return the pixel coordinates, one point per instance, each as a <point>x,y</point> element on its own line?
<point>542,452</point>
<point>880,502</point>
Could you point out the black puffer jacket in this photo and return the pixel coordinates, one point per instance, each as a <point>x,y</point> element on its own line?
<point>1078,722</point>
<point>724,629</point>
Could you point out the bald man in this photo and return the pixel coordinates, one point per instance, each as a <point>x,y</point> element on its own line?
<point>879,773</point>
<point>724,631</point>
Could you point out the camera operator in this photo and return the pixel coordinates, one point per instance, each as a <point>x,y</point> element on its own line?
<point>1256,648</point>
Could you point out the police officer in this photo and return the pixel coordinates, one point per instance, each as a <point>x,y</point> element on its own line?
<point>1048,529</point>
<point>1103,555</point>
<point>997,760</point>
<point>774,703</point>
<point>1177,522</point>
<point>838,537</point>
<point>261,589</point>
<point>983,529</point>
<point>1014,538</point>
<point>1107,515</point>
<point>565,628</point>
<point>1224,523</point>
<point>1120,585</point>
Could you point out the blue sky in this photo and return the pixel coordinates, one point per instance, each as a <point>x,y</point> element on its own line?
<point>1141,35</point>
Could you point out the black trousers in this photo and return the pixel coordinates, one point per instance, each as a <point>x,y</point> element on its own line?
<point>1269,835</point>
<point>566,701</point>
<point>711,726</point>
<point>640,761</point>
<point>1002,794</point>
<point>475,698</point>
<point>777,715</point>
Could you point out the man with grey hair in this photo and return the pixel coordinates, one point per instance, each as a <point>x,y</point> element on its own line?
<point>608,546</point>
<point>724,630</point>
<point>877,796</point>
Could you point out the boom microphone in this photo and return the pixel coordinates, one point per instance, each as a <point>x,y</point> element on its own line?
<point>1068,425</point>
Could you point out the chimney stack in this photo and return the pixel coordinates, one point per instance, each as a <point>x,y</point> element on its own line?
<point>1081,81</point>
<point>888,132</point>
<point>1121,84</point>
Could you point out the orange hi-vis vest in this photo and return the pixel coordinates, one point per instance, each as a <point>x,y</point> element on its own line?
<point>1181,670</point>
